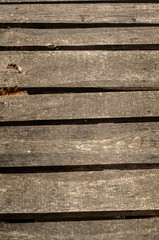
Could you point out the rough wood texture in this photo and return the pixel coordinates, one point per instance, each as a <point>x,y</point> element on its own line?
<point>77,13</point>
<point>107,69</point>
<point>143,229</point>
<point>78,37</point>
<point>73,145</point>
<point>36,1</point>
<point>79,192</point>
<point>46,1</point>
<point>79,106</point>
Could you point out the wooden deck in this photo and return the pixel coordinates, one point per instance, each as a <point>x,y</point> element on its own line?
<point>79,136</point>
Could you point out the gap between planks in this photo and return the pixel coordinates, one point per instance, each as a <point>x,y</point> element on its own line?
<point>135,47</point>
<point>79,121</point>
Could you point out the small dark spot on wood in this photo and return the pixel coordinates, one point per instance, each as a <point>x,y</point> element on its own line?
<point>82,18</point>
<point>133,19</point>
<point>133,39</point>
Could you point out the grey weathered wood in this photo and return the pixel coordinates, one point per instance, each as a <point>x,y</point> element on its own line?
<point>78,13</point>
<point>78,37</point>
<point>143,229</point>
<point>79,192</point>
<point>73,145</point>
<point>107,69</point>
<point>79,106</point>
<point>38,1</point>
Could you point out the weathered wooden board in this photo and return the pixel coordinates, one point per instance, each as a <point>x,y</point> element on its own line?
<point>46,1</point>
<point>79,192</point>
<point>78,13</point>
<point>105,69</point>
<point>143,229</point>
<point>53,1</point>
<point>79,106</point>
<point>78,37</point>
<point>74,145</point>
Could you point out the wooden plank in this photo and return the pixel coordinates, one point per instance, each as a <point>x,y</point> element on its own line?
<point>38,1</point>
<point>75,145</point>
<point>78,13</point>
<point>46,1</point>
<point>78,37</point>
<point>79,106</point>
<point>143,229</point>
<point>105,69</point>
<point>132,190</point>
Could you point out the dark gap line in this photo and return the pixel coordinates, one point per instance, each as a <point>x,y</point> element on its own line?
<point>79,121</point>
<point>41,220</point>
<point>78,168</point>
<point>78,2</point>
<point>119,47</point>
<point>68,90</point>
<point>43,25</point>
<point>65,90</point>
<point>79,216</point>
<point>8,221</point>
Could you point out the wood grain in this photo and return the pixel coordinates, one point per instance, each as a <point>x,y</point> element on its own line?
<point>143,229</point>
<point>78,13</point>
<point>78,37</point>
<point>75,145</point>
<point>79,192</point>
<point>79,106</point>
<point>105,69</point>
<point>53,1</point>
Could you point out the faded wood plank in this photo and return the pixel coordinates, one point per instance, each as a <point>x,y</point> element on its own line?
<point>107,69</point>
<point>78,37</point>
<point>74,145</point>
<point>46,1</point>
<point>27,1</point>
<point>143,229</point>
<point>79,192</point>
<point>79,106</point>
<point>78,13</point>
